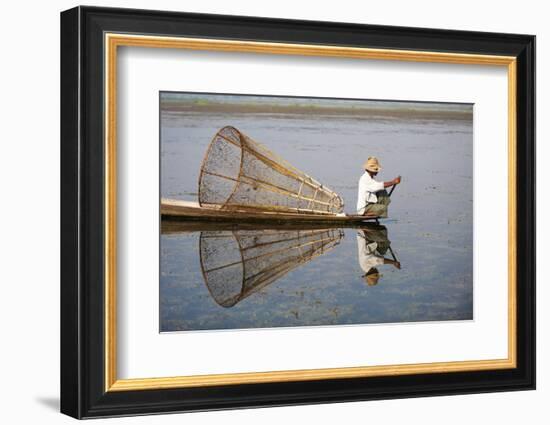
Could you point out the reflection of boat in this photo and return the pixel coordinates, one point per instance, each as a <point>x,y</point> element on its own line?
<point>169,227</point>
<point>240,179</point>
<point>237,263</point>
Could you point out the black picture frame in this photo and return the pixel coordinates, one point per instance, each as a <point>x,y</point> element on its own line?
<point>82,219</point>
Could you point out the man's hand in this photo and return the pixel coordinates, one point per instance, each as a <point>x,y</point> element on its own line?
<point>397,265</point>
<point>393,182</point>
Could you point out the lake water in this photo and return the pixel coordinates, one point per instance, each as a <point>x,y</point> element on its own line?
<point>310,277</point>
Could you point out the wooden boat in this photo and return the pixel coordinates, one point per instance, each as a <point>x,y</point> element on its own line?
<point>175,209</point>
<point>240,180</point>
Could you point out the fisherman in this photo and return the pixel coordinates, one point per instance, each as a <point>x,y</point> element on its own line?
<point>372,244</point>
<point>372,198</point>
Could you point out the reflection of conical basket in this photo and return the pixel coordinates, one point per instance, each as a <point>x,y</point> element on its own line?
<point>238,263</point>
<point>239,173</point>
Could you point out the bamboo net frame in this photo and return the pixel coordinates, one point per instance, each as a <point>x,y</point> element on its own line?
<point>238,173</point>
<point>236,264</point>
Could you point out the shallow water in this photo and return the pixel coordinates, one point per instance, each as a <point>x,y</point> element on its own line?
<point>430,224</point>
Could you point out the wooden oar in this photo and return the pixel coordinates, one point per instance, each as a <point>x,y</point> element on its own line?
<point>392,189</point>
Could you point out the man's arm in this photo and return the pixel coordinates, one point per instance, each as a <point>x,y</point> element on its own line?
<point>393,182</point>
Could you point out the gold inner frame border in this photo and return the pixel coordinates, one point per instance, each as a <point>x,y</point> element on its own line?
<point>111,43</point>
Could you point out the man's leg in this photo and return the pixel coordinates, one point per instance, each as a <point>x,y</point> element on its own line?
<point>383,197</point>
<point>379,209</point>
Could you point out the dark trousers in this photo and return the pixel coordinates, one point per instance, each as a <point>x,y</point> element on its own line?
<point>380,208</point>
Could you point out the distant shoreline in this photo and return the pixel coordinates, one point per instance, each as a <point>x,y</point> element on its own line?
<point>371,111</point>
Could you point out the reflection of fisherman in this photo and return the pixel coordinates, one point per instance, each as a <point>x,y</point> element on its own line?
<point>372,199</point>
<point>372,245</point>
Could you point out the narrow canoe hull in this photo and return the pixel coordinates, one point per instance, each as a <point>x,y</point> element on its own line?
<point>174,209</point>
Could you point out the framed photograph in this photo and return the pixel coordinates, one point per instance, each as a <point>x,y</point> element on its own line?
<point>261,212</point>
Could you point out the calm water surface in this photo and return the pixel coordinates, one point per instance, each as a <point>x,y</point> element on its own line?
<point>203,285</point>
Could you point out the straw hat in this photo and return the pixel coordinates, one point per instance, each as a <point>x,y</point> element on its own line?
<point>372,276</point>
<point>372,164</point>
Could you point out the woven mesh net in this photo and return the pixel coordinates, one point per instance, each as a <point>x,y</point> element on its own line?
<point>238,263</point>
<point>240,173</point>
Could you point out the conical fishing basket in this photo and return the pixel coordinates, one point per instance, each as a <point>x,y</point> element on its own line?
<point>235,264</point>
<point>239,173</point>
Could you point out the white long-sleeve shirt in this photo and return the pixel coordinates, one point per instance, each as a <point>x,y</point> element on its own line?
<point>367,191</point>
